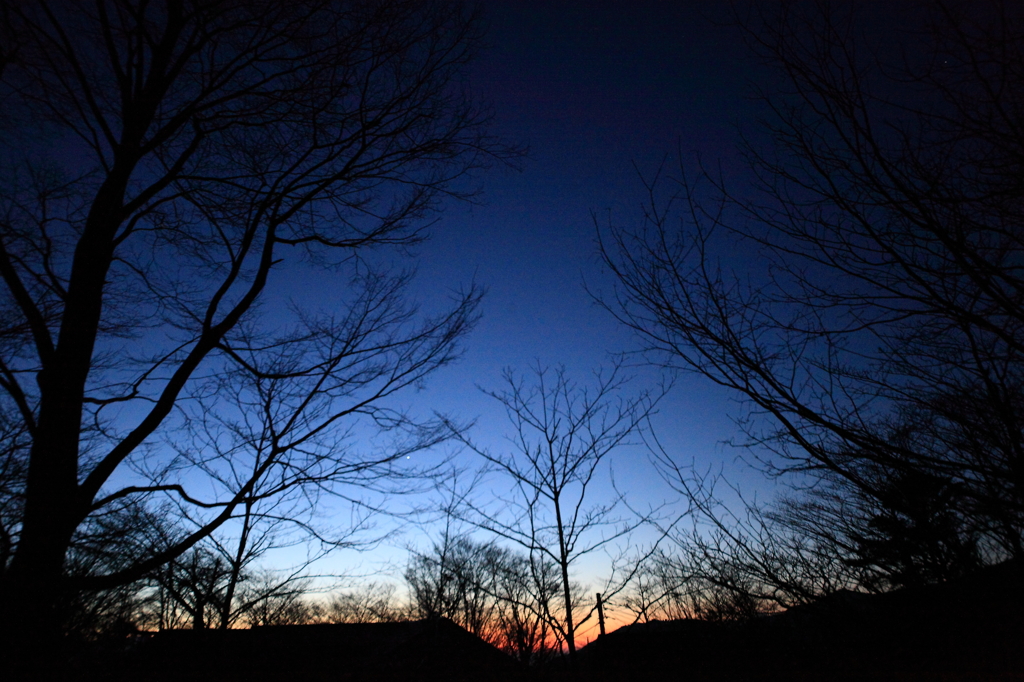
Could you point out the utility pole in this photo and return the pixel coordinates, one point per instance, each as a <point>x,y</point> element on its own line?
<point>600,612</point>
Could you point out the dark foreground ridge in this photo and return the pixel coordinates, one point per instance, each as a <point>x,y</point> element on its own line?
<point>425,650</point>
<point>971,629</point>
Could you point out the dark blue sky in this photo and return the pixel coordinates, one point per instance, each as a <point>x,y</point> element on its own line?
<point>597,91</point>
<point>593,89</point>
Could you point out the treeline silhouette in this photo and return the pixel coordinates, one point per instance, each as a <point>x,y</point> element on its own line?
<point>163,433</point>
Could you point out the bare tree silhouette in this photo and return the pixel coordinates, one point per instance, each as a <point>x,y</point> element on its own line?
<point>170,169</point>
<point>563,436</point>
<point>370,603</point>
<point>872,325</point>
<point>495,592</point>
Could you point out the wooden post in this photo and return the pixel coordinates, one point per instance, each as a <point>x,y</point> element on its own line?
<point>600,612</point>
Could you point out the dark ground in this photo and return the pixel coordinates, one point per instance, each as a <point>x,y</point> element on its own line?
<point>972,629</point>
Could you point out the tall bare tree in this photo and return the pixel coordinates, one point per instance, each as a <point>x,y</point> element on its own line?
<point>170,170</point>
<point>875,328</point>
<point>563,438</point>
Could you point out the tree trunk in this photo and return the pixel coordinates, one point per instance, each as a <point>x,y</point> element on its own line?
<point>236,568</point>
<point>563,564</point>
<point>53,504</point>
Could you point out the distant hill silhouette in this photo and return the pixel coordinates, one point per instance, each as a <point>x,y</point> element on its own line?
<point>421,651</point>
<point>969,629</point>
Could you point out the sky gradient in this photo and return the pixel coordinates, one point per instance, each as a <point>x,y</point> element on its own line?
<point>600,93</point>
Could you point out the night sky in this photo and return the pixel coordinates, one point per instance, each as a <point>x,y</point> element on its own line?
<point>593,89</point>
<point>602,96</point>
<point>597,92</point>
